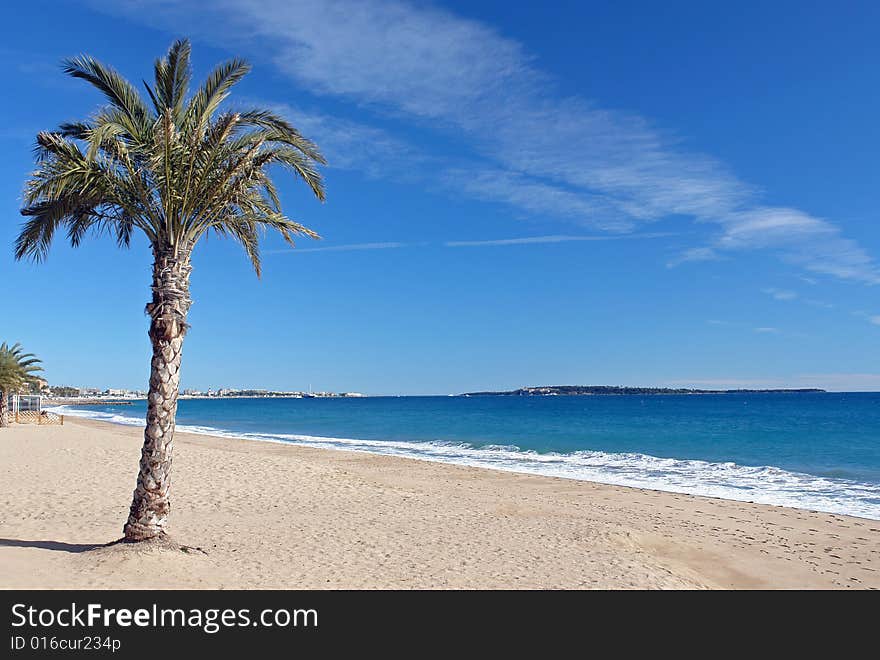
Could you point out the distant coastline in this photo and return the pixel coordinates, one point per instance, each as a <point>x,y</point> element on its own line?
<point>611,390</point>
<point>88,401</point>
<point>549,390</point>
<point>107,400</point>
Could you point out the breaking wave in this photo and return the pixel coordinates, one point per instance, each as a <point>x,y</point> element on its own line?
<point>762,484</point>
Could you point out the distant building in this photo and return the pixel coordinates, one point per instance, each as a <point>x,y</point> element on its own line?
<point>123,394</point>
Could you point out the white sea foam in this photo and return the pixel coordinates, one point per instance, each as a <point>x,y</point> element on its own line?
<point>764,484</point>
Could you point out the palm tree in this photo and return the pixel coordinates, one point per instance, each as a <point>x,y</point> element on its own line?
<point>175,168</point>
<point>17,369</point>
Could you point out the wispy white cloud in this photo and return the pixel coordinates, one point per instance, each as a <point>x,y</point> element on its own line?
<point>870,317</point>
<point>528,144</point>
<point>353,145</point>
<point>780,294</point>
<point>529,240</point>
<point>789,295</point>
<point>535,196</point>
<point>694,254</point>
<point>810,242</point>
<point>341,248</point>
<point>746,326</point>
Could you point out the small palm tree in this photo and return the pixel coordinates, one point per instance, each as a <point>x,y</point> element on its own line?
<point>17,369</point>
<point>175,168</point>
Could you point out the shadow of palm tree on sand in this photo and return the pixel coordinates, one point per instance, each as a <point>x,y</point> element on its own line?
<point>52,545</point>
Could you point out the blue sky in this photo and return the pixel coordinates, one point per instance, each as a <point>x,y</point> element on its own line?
<point>518,194</point>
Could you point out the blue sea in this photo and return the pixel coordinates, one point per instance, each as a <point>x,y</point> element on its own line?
<point>818,451</point>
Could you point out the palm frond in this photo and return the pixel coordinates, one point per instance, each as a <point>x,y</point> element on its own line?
<point>118,91</point>
<point>172,167</point>
<point>278,129</point>
<point>172,74</point>
<point>17,368</point>
<point>213,92</point>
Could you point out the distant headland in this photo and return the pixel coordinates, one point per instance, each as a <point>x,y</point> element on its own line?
<point>586,390</point>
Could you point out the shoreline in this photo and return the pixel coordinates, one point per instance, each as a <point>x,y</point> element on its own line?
<point>754,484</point>
<point>274,515</point>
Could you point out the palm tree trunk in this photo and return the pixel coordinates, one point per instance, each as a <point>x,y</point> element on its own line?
<point>4,409</point>
<point>151,504</point>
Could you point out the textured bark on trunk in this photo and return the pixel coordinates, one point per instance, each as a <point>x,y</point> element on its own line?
<point>4,409</point>
<point>150,504</point>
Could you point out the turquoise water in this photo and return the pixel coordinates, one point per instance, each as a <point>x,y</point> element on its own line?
<point>818,451</point>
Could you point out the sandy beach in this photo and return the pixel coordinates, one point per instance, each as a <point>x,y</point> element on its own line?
<point>262,515</point>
